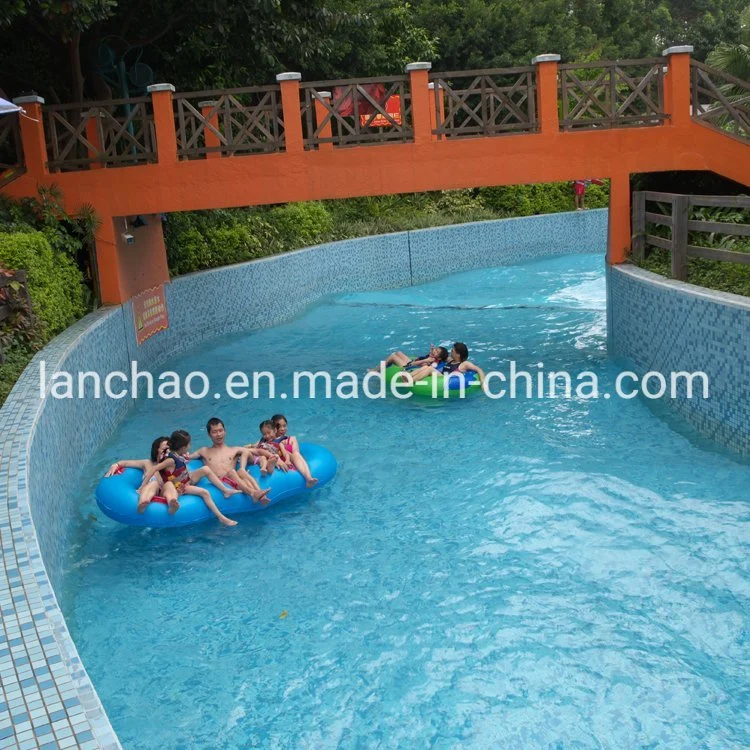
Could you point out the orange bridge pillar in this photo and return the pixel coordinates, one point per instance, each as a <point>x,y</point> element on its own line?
<point>437,108</point>
<point>289,84</point>
<point>546,93</point>
<point>166,136</point>
<point>618,234</point>
<point>420,100</point>
<point>32,135</point>
<point>325,129</point>
<point>677,85</point>
<point>210,113</point>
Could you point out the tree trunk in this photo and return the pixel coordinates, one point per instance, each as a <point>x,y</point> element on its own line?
<point>76,73</point>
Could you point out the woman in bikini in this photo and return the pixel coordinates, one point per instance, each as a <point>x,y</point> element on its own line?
<point>147,492</point>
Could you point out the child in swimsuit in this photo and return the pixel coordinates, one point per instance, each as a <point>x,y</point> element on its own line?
<point>435,359</point>
<point>262,457</point>
<point>267,444</point>
<point>291,446</point>
<point>179,481</point>
<point>147,492</point>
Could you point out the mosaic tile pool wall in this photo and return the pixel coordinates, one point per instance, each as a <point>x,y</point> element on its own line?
<point>46,699</point>
<point>661,325</point>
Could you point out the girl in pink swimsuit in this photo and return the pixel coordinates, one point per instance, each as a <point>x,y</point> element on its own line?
<point>291,446</point>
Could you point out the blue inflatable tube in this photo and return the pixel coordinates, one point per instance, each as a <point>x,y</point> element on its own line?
<point>117,495</point>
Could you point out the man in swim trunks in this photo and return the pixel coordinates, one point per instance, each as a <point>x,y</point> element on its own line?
<point>222,459</point>
<point>458,362</point>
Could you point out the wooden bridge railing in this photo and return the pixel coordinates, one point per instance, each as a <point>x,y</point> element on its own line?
<point>229,122</point>
<point>612,94</point>
<point>719,100</point>
<point>356,113</point>
<point>484,102</point>
<point>112,133</point>
<point>679,220</point>
<point>343,113</point>
<point>11,149</point>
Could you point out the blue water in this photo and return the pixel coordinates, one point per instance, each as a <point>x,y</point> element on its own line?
<point>505,574</point>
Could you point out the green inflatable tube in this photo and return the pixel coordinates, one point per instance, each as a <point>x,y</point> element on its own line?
<point>424,388</point>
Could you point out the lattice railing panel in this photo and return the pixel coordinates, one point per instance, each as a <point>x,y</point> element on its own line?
<point>612,94</point>
<point>231,122</point>
<point>361,112</point>
<point>115,133</point>
<point>720,100</point>
<point>484,102</point>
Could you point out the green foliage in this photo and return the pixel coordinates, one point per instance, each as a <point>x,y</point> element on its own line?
<point>527,200</point>
<point>300,224</point>
<point>207,239</point>
<point>52,45</point>
<point>17,356</point>
<point>713,274</point>
<point>55,284</point>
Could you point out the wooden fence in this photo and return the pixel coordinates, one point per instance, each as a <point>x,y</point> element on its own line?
<point>484,102</point>
<point>229,122</point>
<point>356,113</point>
<point>720,101</point>
<point>679,221</point>
<point>112,133</point>
<point>612,94</point>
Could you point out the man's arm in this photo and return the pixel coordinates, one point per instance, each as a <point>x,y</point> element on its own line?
<point>475,368</point>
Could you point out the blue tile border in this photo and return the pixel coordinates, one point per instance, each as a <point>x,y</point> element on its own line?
<point>669,326</point>
<point>44,685</point>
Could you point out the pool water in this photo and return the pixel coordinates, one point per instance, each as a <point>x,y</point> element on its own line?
<point>507,574</point>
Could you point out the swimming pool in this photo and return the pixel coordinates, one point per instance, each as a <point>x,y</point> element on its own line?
<point>523,573</point>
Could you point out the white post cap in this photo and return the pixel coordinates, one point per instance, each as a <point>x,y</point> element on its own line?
<point>289,77</point>
<point>31,99</point>
<point>418,66</point>
<point>155,88</point>
<point>324,94</point>
<point>545,58</point>
<point>679,49</point>
<point>208,103</point>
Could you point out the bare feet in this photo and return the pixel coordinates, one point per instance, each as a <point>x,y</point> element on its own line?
<point>227,521</point>
<point>142,505</point>
<point>311,482</point>
<point>173,506</point>
<point>270,466</point>
<point>229,491</point>
<point>261,496</point>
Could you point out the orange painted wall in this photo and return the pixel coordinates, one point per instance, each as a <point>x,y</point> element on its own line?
<point>143,264</point>
<point>426,164</point>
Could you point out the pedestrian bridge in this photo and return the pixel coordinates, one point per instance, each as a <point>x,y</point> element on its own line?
<point>424,130</point>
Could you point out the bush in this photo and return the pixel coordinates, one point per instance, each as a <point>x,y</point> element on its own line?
<point>300,224</point>
<point>55,283</point>
<point>207,239</point>
<point>17,356</point>
<point>529,200</point>
<point>204,239</point>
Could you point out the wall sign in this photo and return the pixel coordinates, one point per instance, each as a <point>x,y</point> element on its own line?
<point>150,313</point>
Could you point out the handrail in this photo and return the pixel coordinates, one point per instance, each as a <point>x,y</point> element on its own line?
<point>681,224</point>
